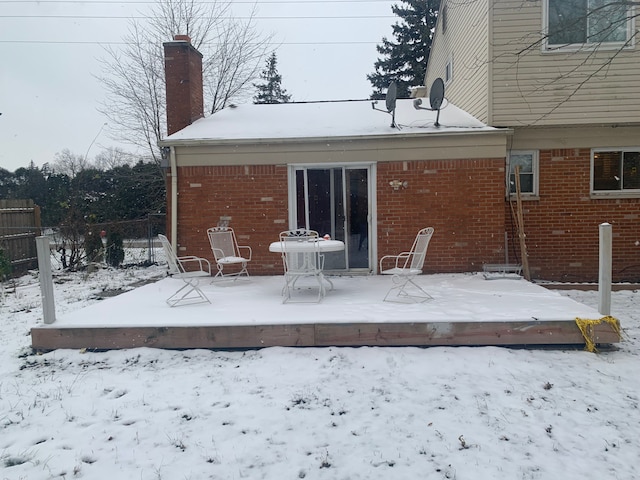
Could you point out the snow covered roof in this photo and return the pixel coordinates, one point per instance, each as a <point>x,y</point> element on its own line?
<point>347,119</point>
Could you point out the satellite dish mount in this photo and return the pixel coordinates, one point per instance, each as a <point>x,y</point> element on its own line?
<point>390,101</point>
<point>436,96</point>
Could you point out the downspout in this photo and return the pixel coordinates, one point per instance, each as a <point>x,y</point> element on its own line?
<point>174,198</point>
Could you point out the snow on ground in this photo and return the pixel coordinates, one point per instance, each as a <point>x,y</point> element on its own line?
<point>334,413</point>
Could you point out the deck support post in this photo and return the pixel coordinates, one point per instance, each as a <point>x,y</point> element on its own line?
<point>604,276</point>
<point>46,279</point>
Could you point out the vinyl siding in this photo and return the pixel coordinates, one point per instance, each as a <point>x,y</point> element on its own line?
<point>465,42</point>
<point>556,88</point>
<point>467,145</point>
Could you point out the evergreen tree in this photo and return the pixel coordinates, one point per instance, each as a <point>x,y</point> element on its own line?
<point>271,91</point>
<point>405,60</point>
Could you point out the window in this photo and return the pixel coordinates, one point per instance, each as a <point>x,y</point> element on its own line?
<point>444,19</point>
<point>448,71</point>
<point>616,171</point>
<point>585,22</point>
<point>528,163</point>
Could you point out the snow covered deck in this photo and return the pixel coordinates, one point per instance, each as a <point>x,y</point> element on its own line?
<point>466,310</point>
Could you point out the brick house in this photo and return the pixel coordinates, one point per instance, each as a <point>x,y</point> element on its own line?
<point>340,168</point>
<point>336,167</point>
<point>563,77</point>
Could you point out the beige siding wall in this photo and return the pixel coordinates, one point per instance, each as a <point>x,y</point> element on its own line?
<point>575,137</point>
<point>465,43</point>
<point>399,148</point>
<point>544,88</point>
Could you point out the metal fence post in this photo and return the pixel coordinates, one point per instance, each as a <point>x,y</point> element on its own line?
<point>46,280</point>
<point>604,276</point>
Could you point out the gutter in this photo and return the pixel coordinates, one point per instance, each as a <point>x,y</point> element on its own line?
<point>193,142</point>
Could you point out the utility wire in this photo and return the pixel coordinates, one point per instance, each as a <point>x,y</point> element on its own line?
<point>93,42</point>
<point>150,2</point>
<point>141,17</point>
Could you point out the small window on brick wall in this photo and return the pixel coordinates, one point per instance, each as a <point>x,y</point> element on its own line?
<point>528,163</point>
<point>615,171</point>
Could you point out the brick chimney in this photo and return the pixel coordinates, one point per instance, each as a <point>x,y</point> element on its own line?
<point>183,80</point>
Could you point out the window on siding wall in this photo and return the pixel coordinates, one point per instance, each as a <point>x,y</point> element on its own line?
<point>573,23</point>
<point>448,71</point>
<point>616,171</point>
<point>528,163</point>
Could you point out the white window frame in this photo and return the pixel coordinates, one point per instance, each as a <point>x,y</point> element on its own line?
<point>550,48</point>
<point>448,71</point>
<point>621,193</point>
<point>535,160</point>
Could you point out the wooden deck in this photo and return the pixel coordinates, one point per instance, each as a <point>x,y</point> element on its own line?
<point>251,315</point>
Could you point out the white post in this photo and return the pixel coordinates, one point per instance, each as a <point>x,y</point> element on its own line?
<point>46,280</point>
<point>604,277</point>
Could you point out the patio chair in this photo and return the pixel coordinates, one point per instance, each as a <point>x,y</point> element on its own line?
<point>301,258</point>
<point>227,252</point>
<point>406,266</point>
<point>189,269</point>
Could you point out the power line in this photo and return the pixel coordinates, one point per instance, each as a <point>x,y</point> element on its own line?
<point>93,42</point>
<point>145,17</point>
<point>151,2</point>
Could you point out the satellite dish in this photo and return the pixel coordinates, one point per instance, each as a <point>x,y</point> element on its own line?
<point>390,101</point>
<point>436,96</point>
<point>390,98</point>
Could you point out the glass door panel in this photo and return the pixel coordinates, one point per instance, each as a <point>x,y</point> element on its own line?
<point>322,198</point>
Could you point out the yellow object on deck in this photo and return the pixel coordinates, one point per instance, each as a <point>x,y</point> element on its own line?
<point>586,327</point>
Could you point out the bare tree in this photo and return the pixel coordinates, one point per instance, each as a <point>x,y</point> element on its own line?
<point>134,76</point>
<point>69,163</point>
<point>113,157</point>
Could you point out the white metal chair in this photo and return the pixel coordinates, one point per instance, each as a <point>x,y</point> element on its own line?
<point>301,258</point>
<point>227,251</point>
<point>406,266</point>
<point>189,269</point>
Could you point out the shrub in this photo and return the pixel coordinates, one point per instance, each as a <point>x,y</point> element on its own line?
<point>93,246</point>
<point>5,265</point>
<point>115,249</point>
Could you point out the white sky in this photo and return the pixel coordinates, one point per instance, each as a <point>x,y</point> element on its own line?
<point>49,95</point>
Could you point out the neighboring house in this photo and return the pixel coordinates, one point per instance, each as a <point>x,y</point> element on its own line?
<point>336,167</point>
<point>565,78</point>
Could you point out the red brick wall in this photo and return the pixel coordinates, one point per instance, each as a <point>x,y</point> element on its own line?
<point>451,196</point>
<point>562,227</point>
<point>455,197</point>
<point>255,197</point>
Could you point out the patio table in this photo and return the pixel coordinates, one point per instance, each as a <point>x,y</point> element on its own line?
<point>309,247</point>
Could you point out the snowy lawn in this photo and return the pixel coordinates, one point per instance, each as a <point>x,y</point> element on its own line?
<point>335,413</point>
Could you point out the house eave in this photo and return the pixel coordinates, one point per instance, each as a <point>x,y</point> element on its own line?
<point>196,142</point>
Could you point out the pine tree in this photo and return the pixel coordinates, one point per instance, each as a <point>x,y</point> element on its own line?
<point>405,60</point>
<point>271,91</point>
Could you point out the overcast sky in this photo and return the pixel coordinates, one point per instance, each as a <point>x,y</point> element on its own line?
<point>49,96</point>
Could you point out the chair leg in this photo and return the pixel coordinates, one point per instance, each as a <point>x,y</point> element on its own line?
<point>406,291</point>
<point>186,298</point>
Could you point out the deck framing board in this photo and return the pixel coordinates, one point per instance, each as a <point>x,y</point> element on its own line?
<point>560,332</point>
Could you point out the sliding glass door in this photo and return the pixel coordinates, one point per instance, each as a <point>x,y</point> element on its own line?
<point>336,201</point>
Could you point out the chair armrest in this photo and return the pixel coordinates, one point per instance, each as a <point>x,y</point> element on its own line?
<point>202,262</point>
<point>402,256</point>
<point>243,247</point>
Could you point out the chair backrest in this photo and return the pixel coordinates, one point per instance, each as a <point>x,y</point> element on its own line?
<point>419,248</point>
<point>300,262</point>
<point>223,242</point>
<point>174,264</point>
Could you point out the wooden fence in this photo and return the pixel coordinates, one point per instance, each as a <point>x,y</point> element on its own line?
<point>19,226</point>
